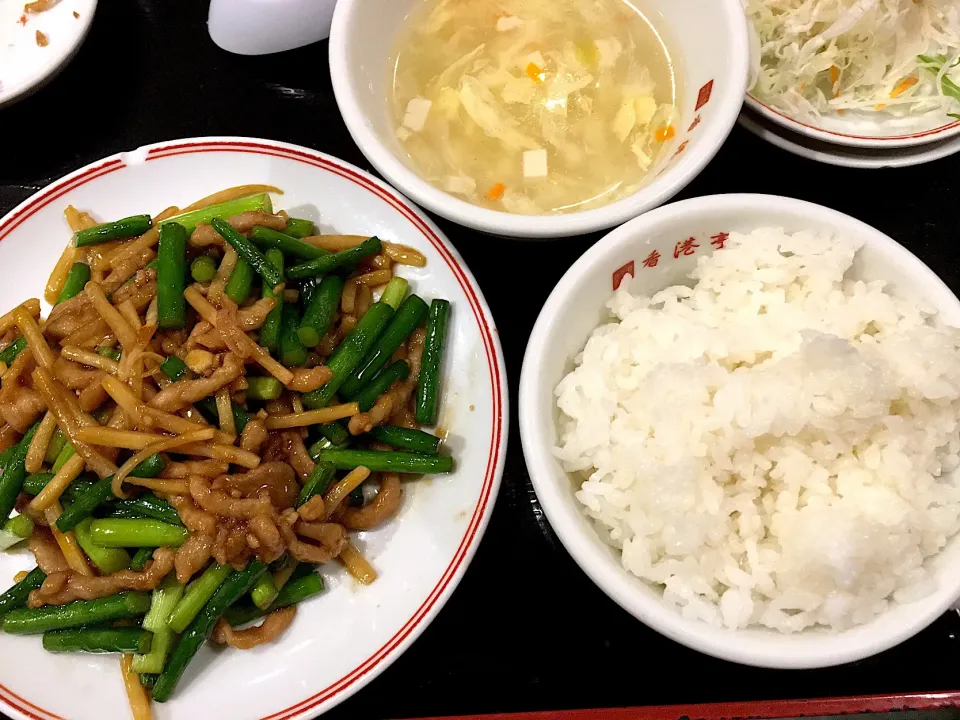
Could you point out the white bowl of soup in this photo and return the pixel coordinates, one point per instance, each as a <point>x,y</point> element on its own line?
<point>539,118</point>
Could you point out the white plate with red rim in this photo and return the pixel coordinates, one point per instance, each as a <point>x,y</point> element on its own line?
<point>25,65</point>
<point>868,130</point>
<point>842,155</point>
<point>345,637</point>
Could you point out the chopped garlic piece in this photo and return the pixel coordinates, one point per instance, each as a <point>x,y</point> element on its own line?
<point>625,120</point>
<point>508,23</point>
<point>646,108</point>
<point>535,163</point>
<point>416,115</point>
<point>403,134</point>
<point>610,50</point>
<point>462,185</point>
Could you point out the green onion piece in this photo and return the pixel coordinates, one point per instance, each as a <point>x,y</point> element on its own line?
<point>329,263</point>
<point>428,384</point>
<point>203,269</point>
<point>264,591</point>
<point>240,282</point>
<point>14,473</point>
<point>30,621</point>
<point>263,388</point>
<point>265,238</point>
<point>124,533</point>
<point>98,640</point>
<point>394,292</point>
<point>171,277</point>
<point>270,331</point>
<point>127,227</point>
<point>10,352</point>
<point>141,557</point>
<point>317,482</point>
<point>107,560</point>
<point>407,439</point>
<point>300,228</point>
<point>367,397</point>
<point>320,310</point>
<point>388,461</point>
<point>196,596</point>
<point>238,206</point>
<point>164,599</point>
<point>65,454</point>
<point>56,444</point>
<point>173,367</point>
<point>348,356</point>
<point>77,279</point>
<point>292,352</point>
<point>246,250</point>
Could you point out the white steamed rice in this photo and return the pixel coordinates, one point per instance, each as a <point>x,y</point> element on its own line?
<point>774,446</point>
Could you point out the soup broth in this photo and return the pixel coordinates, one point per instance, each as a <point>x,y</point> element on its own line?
<point>534,106</point>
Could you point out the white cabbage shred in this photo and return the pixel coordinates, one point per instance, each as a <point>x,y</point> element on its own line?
<point>816,57</point>
<point>535,106</point>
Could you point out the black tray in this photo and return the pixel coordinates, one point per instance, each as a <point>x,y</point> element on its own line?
<point>526,630</point>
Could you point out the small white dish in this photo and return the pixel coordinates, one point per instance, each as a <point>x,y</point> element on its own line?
<point>577,306</point>
<point>24,65</point>
<point>875,131</point>
<point>347,636</point>
<point>709,38</point>
<point>261,27</point>
<point>841,155</point>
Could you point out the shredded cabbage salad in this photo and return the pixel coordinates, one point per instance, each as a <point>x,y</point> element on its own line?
<point>814,57</point>
<point>533,106</point>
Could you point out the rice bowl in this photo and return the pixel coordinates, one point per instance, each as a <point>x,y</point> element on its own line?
<point>802,473</point>
<point>575,309</point>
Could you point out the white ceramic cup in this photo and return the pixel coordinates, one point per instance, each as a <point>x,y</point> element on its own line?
<point>709,38</point>
<point>577,306</point>
<point>261,27</point>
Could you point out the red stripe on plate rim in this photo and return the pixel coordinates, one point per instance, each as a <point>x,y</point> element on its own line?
<point>882,138</point>
<point>494,455</point>
<point>41,201</point>
<point>761,709</point>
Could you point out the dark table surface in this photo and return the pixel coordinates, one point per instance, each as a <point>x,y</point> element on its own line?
<point>526,630</point>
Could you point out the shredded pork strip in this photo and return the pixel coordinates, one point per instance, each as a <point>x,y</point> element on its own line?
<point>204,235</point>
<point>47,552</point>
<point>179,395</point>
<point>383,507</point>
<point>63,587</point>
<point>194,518</point>
<point>271,627</point>
<point>219,503</point>
<point>192,556</point>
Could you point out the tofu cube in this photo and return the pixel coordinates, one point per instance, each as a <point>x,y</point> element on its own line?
<point>416,114</point>
<point>535,163</point>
